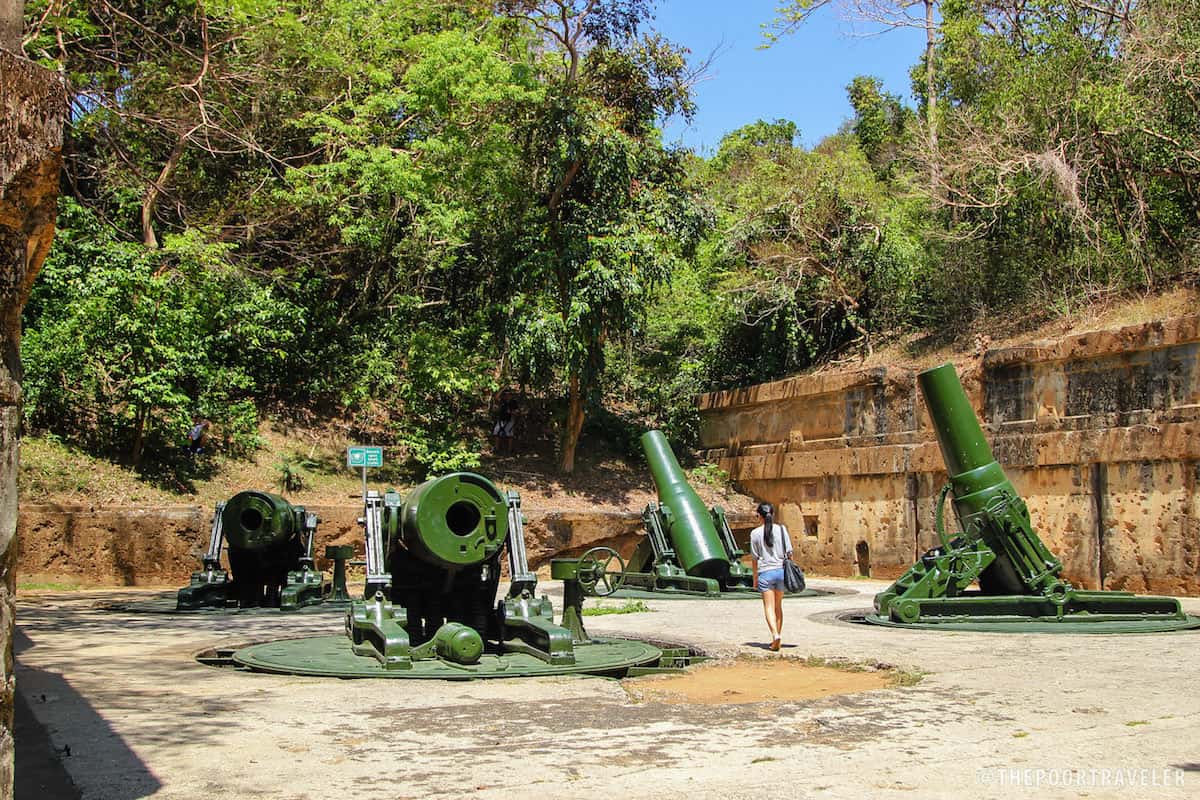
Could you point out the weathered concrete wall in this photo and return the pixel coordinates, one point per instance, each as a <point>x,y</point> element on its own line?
<point>1100,432</point>
<point>162,546</point>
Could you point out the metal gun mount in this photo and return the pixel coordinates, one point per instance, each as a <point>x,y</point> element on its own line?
<point>689,549</point>
<point>1020,583</point>
<point>430,607</point>
<point>269,545</point>
<point>433,558</point>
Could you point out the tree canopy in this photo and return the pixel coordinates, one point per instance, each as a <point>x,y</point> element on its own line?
<point>385,211</point>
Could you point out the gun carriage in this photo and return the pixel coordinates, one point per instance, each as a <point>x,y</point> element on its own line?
<point>269,544</point>
<point>689,550</point>
<point>430,607</point>
<point>996,573</point>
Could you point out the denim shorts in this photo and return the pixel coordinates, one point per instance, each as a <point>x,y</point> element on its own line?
<point>771,579</point>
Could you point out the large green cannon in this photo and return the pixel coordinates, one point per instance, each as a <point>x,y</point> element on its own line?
<point>1020,583</point>
<point>269,546</point>
<point>689,548</point>
<point>430,607</point>
<point>433,570</point>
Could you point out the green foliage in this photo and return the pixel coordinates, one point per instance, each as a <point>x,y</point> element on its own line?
<point>811,247</point>
<point>384,210</point>
<point>293,472</point>
<point>709,475</point>
<point>882,124</point>
<point>123,345</point>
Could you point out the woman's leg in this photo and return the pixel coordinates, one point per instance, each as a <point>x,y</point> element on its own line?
<point>778,614</point>
<point>770,604</point>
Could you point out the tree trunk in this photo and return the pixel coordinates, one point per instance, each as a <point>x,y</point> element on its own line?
<point>155,191</point>
<point>139,437</point>
<point>931,117</point>
<point>12,23</point>
<point>32,109</point>
<point>570,438</point>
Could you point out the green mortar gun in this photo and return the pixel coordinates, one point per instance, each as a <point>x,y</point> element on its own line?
<point>688,547</point>
<point>433,560</point>
<point>269,543</point>
<point>1020,583</point>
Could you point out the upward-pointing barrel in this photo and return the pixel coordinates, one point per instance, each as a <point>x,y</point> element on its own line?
<point>958,431</point>
<point>977,480</point>
<point>691,531</point>
<point>974,473</point>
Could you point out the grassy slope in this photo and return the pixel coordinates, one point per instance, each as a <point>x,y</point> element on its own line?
<point>52,472</point>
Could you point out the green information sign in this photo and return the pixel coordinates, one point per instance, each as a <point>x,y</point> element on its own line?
<point>364,457</point>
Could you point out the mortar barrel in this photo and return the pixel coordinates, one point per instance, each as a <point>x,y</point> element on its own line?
<point>958,431</point>
<point>690,528</point>
<point>455,520</point>
<point>255,520</point>
<point>974,472</point>
<point>978,482</point>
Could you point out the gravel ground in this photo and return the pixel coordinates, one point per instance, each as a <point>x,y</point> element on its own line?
<point>131,714</point>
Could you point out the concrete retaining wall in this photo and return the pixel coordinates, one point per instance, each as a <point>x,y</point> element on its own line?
<point>1100,432</point>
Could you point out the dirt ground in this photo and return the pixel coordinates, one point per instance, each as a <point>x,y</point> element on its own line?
<point>743,681</point>
<point>130,714</point>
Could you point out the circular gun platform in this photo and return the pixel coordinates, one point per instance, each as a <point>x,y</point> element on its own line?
<point>332,657</point>
<point>166,605</point>
<point>1067,625</point>
<point>646,594</point>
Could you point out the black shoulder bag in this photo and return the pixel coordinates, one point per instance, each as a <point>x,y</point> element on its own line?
<point>793,577</point>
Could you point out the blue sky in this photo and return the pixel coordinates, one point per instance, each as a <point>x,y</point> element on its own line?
<point>802,78</point>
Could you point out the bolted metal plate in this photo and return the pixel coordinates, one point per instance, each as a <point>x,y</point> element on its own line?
<point>1029,625</point>
<point>745,594</point>
<point>332,657</point>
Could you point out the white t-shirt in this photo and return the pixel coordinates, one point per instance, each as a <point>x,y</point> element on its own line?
<point>770,557</point>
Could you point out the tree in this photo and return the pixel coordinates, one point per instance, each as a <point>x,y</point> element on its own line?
<point>818,253</point>
<point>609,215</point>
<point>1072,137</point>
<point>880,123</point>
<point>30,162</point>
<point>883,16</point>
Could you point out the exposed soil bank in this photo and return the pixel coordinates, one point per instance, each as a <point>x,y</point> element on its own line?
<point>162,546</point>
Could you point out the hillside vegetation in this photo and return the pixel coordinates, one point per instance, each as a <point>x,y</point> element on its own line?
<point>374,214</point>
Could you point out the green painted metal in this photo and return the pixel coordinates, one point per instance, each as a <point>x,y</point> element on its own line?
<point>433,557</point>
<point>455,521</point>
<point>689,523</point>
<point>630,592</point>
<point>364,457</point>
<point>689,549</point>
<point>1077,624</point>
<point>258,520</point>
<point>1020,581</point>
<point>329,656</point>
<point>595,572</point>
<point>268,543</point>
<point>339,554</point>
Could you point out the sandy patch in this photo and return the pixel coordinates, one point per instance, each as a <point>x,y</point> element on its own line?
<point>754,681</point>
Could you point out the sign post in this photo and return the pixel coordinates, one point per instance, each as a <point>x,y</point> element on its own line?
<point>364,457</point>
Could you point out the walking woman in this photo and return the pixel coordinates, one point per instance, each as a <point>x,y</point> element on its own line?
<point>770,546</point>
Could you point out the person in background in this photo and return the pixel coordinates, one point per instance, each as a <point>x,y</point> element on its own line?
<point>770,546</point>
<point>504,421</point>
<point>198,435</point>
